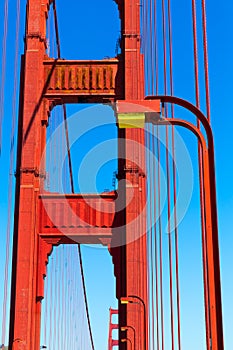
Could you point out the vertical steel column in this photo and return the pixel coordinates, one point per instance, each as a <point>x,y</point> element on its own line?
<point>25,306</point>
<point>133,255</point>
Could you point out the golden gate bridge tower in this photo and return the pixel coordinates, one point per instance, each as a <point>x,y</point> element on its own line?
<point>117,219</point>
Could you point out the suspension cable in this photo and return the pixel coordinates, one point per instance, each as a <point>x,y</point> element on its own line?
<point>160,238</point>
<point>164,49</point>
<point>56,29</point>
<point>206,64</point>
<point>68,148</point>
<point>168,176</point>
<point>151,234</point>
<point>156,48</point>
<point>155,243</point>
<point>151,48</point>
<point>174,177</point>
<point>10,186</point>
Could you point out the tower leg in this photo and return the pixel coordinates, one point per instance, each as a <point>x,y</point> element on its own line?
<point>25,306</point>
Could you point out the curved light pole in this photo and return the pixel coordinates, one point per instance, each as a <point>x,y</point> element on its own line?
<point>126,328</point>
<point>124,340</point>
<point>210,204</point>
<point>127,300</point>
<point>213,302</point>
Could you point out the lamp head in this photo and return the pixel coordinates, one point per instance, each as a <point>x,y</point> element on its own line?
<point>125,300</point>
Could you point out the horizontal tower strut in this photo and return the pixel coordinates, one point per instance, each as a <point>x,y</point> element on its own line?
<point>76,218</point>
<point>82,81</point>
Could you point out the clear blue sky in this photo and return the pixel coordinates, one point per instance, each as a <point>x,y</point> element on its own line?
<point>89,30</point>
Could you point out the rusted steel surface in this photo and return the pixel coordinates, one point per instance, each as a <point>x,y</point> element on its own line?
<point>74,81</point>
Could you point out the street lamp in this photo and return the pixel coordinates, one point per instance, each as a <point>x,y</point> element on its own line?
<point>127,300</point>
<point>126,328</point>
<point>124,340</point>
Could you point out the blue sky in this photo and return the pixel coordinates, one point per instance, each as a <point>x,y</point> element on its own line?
<point>89,30</point>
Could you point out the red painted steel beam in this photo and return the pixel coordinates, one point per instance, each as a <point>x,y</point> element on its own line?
<point>115,342</point>
<point>79,235</point>
<point>82,81</point>
<point>70,212</point>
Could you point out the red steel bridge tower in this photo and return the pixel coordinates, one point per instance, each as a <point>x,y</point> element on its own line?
<point>39,215</point>
<point>112,326</point>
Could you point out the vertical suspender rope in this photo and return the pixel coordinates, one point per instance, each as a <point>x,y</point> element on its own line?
<point>65,297</point>
<point>69,304</point>
<point>66,334</point>
<point>174,180</point>
<point>168,178</point>
<point>170,51</point>
<point>160,239</point>
<point>145,46</point>
<point>63,263</point>
<point>155,243</point>
<point>169,236</point>
<point>50,306</point>
<point>46,313</point>
<point>176,241</point>
<point>55,304</point>
<point>150,253</point>
<point>151,47</point>
<point>156,49</point>
<point>73,286</point>
<point>59,315</point>
<point>164,49</point>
